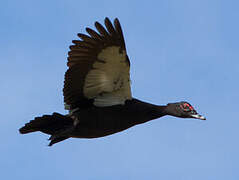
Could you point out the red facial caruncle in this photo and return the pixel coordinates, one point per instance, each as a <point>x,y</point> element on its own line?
<point>186,107</point>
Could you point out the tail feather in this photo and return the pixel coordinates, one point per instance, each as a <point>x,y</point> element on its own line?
<point>49,124</point>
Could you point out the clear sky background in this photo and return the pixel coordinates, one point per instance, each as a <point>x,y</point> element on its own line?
<point>179,50</point>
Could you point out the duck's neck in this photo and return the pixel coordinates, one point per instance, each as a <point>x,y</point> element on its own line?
<point>157,112</point>
<point>147,111</point>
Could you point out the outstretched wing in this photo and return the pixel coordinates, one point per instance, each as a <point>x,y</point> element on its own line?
<point>99,68</point>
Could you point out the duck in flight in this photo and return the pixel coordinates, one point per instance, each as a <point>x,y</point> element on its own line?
<point>97,91</point>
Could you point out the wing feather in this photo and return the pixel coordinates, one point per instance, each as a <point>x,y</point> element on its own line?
<point>110,27</point>
<point>94,34</point>
<point>101,30</point>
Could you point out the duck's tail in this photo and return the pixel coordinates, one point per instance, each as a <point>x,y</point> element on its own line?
<point>54,125</point>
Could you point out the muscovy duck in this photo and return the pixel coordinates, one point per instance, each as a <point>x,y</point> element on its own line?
<point>97,91</point>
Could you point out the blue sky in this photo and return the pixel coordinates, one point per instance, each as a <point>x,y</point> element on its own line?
<point>179,50</point>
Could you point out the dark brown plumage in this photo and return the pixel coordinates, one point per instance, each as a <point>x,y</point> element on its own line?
<point>97,91</point>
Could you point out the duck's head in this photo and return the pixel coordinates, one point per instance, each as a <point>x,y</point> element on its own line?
<point>184,110</point>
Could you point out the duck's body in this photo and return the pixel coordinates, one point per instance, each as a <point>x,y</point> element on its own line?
<point>97,91</point>
<point>102,121</point>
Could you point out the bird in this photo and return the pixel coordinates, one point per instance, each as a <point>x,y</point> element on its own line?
<point>97,91</point>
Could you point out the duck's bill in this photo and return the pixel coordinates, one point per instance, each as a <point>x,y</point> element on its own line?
<point>198,116</point>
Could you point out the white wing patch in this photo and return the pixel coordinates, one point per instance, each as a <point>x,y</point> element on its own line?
<point>109,81</point>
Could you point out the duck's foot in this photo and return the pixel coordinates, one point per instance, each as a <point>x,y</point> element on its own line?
<point>61,135</point>
<point>65,133</point>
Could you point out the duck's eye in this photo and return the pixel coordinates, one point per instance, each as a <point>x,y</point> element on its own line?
<point>185,108</point>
